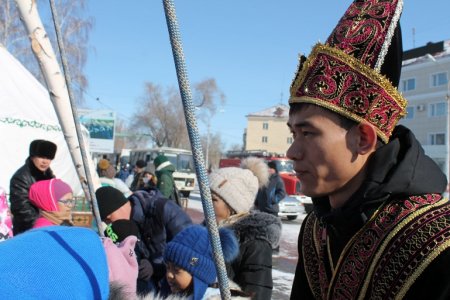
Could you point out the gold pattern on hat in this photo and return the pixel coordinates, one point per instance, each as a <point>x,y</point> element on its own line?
<point>357,67</point>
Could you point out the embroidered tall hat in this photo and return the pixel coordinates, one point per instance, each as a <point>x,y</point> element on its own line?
<point>355,73</point>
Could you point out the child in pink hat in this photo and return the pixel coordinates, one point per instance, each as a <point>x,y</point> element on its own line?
<point>54,199</point>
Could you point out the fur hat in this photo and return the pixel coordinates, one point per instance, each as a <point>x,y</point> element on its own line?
<point>119,230</point>
<point>109,200</point>
<point>191,250</point>
<point>355,72</point>
<point>238,186</point>
<point>160,162</point>
<point>42,148</point>
<point>54,262</point>
<point>140,164</point>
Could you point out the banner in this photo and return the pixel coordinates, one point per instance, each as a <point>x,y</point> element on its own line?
<point>100,124</point>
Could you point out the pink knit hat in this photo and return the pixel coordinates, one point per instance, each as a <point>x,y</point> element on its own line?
<point>45,194</point>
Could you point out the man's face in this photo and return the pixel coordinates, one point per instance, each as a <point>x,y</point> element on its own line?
<point>41,163</point>
<point>122,213</point>
<point>323,152</point>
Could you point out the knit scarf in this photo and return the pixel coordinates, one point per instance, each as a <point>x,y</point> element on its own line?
<point>57,217</point>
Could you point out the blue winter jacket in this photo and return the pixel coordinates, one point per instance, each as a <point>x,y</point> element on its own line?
<point>159,220</point>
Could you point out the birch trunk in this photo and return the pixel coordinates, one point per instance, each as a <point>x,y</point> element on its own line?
<point>56,85</point>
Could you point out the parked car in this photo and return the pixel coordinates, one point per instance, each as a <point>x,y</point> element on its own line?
<point>291,207</point>
<point>307,203</point>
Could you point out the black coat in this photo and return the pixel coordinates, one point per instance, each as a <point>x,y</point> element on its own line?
<point>24,213</point>
<point>397,170</point>
<point>258,233</point>
<point>159,220</point>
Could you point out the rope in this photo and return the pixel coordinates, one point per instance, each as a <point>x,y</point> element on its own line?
<point>191,123</point>
<point>89,189</point>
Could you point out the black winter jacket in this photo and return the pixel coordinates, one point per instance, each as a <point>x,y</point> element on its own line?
<point>159,220</point>
<point>258,233</point>
<point>24,213</point>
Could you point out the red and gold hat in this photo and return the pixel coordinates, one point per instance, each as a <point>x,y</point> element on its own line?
<point>355,71</point>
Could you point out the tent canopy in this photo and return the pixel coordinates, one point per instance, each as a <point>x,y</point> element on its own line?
<point>26,114</point>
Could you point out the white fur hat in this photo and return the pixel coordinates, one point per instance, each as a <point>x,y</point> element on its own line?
<point>238,186</point>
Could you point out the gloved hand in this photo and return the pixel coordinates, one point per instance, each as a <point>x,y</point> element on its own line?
<point>145,270</point>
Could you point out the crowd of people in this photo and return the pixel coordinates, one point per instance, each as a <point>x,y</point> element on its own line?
<point>151,246</point>
<point>380,227</point>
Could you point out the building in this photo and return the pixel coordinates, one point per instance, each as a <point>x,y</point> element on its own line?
<point>267,130</point>
<point>425,84</point>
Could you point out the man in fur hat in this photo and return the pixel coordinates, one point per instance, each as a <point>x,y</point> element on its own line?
<point>380,228</point>
<point>36,168</point>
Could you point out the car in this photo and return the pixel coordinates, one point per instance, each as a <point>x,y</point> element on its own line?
<point>307,203</point>
<point>291,207</point>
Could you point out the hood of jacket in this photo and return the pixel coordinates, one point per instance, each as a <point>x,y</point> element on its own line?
<point>258,225</point>
<point>169,168</point>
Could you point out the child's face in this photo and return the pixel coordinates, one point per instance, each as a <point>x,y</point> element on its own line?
<point>179,280</point>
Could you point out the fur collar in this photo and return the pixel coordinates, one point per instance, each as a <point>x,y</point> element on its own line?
<point>258,226</point>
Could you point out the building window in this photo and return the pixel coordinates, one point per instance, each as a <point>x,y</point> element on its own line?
<point>265,125</point>
<point>264,139</point>
<point>289,140</point>
<point>409,113</point>
<point>408,84</point>
<point>439,79</point>
<point>437,138</point>
<point>438,109</point>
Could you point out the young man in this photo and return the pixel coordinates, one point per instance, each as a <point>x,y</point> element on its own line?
<point>36,168</point>
<point>380,228</point>
<point>158,220</point>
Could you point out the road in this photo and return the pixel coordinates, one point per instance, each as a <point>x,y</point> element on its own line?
<point>283,263</point>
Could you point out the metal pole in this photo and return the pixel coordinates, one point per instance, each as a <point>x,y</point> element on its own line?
<point>191,123</point>
<point>90,193</point>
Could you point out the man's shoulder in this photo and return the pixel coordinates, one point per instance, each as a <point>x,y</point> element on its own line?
<point>20,172</point>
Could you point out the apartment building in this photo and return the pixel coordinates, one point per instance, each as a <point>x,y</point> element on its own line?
<point>267,130</point>
<point>425,84</point>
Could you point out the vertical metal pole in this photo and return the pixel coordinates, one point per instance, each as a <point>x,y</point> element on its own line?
<point>90,193</point>
<point>191,123</point>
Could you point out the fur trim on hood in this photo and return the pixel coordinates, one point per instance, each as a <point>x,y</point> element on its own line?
<point>258,167</point>
<point>258,226</point>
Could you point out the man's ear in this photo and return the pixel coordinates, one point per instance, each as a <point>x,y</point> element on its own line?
<point>367,137</point>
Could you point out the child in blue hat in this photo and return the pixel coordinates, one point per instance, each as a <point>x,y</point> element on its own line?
<point>191,271</point>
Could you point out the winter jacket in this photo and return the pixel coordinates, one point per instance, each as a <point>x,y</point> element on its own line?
<point>159,220</point>
<point>24,213</point>
<point>258,233</point>
<point>166,183</point>
<point>401,193</point>
<point>268,196</point>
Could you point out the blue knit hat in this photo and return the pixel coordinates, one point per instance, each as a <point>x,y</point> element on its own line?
<point>54,262</point>
<point>191,250</point>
